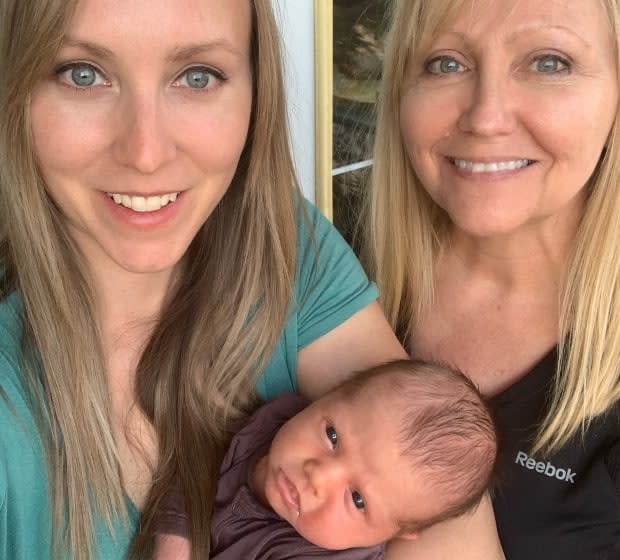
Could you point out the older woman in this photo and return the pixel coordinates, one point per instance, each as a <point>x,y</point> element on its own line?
<point>496,244</point>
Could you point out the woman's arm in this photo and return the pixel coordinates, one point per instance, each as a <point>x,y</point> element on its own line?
<point>363,340</point>
<point>469,537</point>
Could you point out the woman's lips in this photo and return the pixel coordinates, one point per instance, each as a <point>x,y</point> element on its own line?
<point>144,220</point>
<point>490,166</point>
<point>488,171</point>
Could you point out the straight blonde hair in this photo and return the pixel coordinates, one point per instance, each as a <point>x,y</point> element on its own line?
<point>218,326</point>
<point>406,230</point>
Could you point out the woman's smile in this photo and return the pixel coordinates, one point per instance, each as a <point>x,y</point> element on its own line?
<point>144,203</point>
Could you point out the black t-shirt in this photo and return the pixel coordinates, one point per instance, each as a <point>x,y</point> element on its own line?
<point>565,506</point>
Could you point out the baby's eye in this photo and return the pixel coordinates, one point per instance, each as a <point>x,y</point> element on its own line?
<point>444,65</point>
<point>332,435</point>
<point>81,75</point>
<point>358,501</point>
<point>198,77</point>
<point>550,64</point>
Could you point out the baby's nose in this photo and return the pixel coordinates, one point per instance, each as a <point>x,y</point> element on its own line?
<point>324,475</point>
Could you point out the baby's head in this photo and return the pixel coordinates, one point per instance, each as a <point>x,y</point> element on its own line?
<point>392,451</point>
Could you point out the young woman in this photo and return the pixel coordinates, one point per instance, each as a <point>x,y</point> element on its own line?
<point>158,267</point>
<point>495,228</point>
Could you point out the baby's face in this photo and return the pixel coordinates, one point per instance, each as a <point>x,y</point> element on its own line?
<point>335,472</point>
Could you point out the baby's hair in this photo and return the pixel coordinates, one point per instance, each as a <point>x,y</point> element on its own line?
<point>447,430</point>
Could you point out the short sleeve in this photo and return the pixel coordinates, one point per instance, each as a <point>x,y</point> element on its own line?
<point>331,284</point>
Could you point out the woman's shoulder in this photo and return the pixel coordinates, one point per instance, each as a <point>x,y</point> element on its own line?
<point>313,226</point>
<point>323,254</point>
<point>330,286</point>
<point>330,283</point>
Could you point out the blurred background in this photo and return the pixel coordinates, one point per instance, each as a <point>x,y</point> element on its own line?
<point>359,29</point>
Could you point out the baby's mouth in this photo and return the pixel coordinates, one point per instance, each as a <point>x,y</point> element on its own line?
<point>288,491</point>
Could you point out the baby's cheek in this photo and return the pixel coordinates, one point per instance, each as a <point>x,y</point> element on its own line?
<point>327,529</point>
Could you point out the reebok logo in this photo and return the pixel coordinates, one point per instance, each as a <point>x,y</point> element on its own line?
<point>546,468</point>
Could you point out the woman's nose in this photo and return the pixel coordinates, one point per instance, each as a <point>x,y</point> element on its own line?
<point>489,108</point>
<point>144,139</point>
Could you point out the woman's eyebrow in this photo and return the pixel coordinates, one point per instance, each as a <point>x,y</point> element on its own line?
<point>178,54</point>
<point>93,48</point>
<point>185,52</point>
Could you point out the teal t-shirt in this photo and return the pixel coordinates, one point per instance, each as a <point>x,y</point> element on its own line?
<point>330,286</point>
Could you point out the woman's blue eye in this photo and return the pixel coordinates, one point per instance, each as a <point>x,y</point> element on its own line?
<point>80,75</point>
<point>83,75</point>
<point>358,501</point>
<point>549,64</point>
<point>332,435</point>
<point>196,78</point>
<point>444,65</point>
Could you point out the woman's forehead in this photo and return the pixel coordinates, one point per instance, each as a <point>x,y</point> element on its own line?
<point>169,21</point>
<point>469,15</point>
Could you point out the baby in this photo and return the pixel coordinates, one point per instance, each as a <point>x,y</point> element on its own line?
<point>392,451</point>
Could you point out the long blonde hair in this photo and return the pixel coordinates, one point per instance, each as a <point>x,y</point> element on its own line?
<point>406,230</point>
<point>217,328</point>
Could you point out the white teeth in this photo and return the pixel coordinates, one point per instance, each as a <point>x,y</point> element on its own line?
<point>138,203</point>
<point>143,203</point>
<point>475,167</point>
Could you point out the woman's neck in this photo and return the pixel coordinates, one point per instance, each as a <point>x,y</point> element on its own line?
<point>128,306</point>
<point>495,310</point>
<point>127,299</point>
